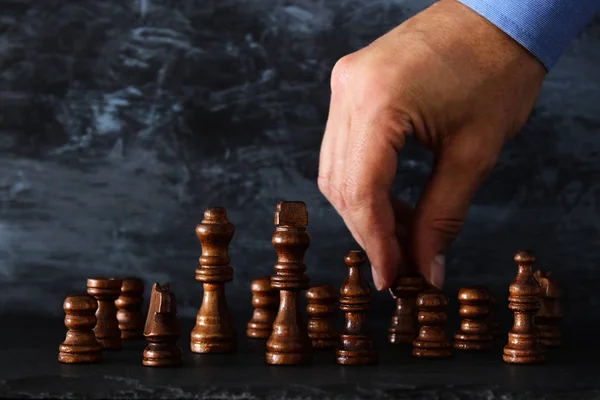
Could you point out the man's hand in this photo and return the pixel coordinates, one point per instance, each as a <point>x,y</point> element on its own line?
<point>457,83</point>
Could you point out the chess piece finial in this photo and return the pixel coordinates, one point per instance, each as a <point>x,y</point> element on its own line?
<point>356,347</point>
<point>549,316</point>
<point>129,306</point>
<point>80,345</point>
<point>474,333</point>
<point>265,300</point>
<point>404,327</point>
<point>162,329</point>
<point>432,342</point>
<point>289,343</point>
<point>320,309</point>
<point>214,331</point>
<point>106,291</point>
<point>523,340</point>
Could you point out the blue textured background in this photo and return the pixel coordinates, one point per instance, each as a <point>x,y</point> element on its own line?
<point>120,121</point>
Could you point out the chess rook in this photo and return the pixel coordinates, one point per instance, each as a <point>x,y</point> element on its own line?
<point>265,300</point>
<point>162,330</point>
<point>474,333</point>
<point>289,343</point>
<point>404,326</point>
<point>129,306</point>
<point>432,342</point>
<point>356,345</point>
<point>549,316</point>
<point>523,340</point>
<point>80,345</point>
<point>320,309</point>
<point>106,291</point>
<point>214,331</point>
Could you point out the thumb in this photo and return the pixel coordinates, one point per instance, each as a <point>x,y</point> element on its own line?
<point>458,171</point>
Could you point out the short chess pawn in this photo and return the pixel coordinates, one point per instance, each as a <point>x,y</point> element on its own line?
<point>129,309</point>
<point>80,345</point>
<point>214,331</point>
<point>404,326</point>
<point>162,330</point>
<point>523,340</point>
<point>289,343</point>
<point>474,333</point>
<point>356,345</point>
<point>320,309</point>
<point>265,300</point>
<point>106,291</point>
<point>549,317</point>
<point>432,342</point>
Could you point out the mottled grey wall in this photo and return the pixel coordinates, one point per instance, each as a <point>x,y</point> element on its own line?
<point>120,121</point>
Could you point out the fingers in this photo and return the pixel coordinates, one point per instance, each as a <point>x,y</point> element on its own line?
<point>440,213</point>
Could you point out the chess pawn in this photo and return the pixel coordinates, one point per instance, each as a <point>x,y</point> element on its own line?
<point>289,343</point>
<point>356,347</point>
<point>80,345</point>
<point>549,316</point>
<point>404,327</point>
<point>106,291</point>
<point>492,319</point>
<point>129,306</point>
<point>474,333</point>
<point>162,330</point>
<point>214,331</point>
<point>432,342</point>
<point>523,340</point>
<point>320,309</point>
<point>265,300</point>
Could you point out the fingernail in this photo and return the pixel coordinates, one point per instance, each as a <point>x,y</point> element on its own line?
<point>376,278</point>
<point>436,273</point>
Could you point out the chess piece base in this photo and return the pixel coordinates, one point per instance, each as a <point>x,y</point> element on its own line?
<point>162,362</point>
<point>401,338</point>
<point>110,343</point>
<point>223,345</point>
<point>323,343</point>
<point>473,342</point>
<point>441,352</point>
<point>550,336</point>
<point>87,354</point>
<point>162,355</point>
<point>514,356</point>
<point>288,358</point>
<point>256,330</point>
<point>356,357</point>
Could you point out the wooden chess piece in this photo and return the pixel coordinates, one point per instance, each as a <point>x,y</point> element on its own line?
<point>549,316</point>
<point>492,319</point>
<point>214,331</point>
<point>80,345</point>
<point>523,340</point>
<point>162,330</point>
<point>404,326</point>
<point>320,309</point>
<point>106,291</point>
<point>289,343</point>
<point>474,333</point>
<point>265,300</point>
<point>356,347</point>
<point>432,342</point>
<point>129,306</point>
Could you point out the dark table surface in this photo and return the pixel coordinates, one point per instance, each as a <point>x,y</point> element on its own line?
<point>29,368</point>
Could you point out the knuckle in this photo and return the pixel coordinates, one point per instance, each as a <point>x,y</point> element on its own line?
<point>331,192</point>
<point>341,72</point>
<point>447,227</point>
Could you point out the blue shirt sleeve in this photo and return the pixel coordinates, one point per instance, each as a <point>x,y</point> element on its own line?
<point>544,27</point>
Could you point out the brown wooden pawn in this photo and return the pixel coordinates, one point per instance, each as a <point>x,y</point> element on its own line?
<point>289,343</point>
<point>80,345</point>
<point>320,309</point>
<point>492,319</point>
<point>549,316</point>
<point>129,306</point>
<point>432,342</point>
<point>162,330</point>
<point>523,340</point>
<point>474,333</point>
<point>214,331</point>
<point>356,347</point>
<point>404,326</point>
<point>106,291</point>
<point>265,300</point>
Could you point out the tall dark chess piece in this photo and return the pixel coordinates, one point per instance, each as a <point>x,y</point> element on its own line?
<point>523,340</point>
<point>357,347</point>
<point>289,343</point>
<point>80,345</point>
<point>214,331</point>
<point>106,291</point>
<point>129,306</point>
<point>162,330</point>
<point>404,326</point>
